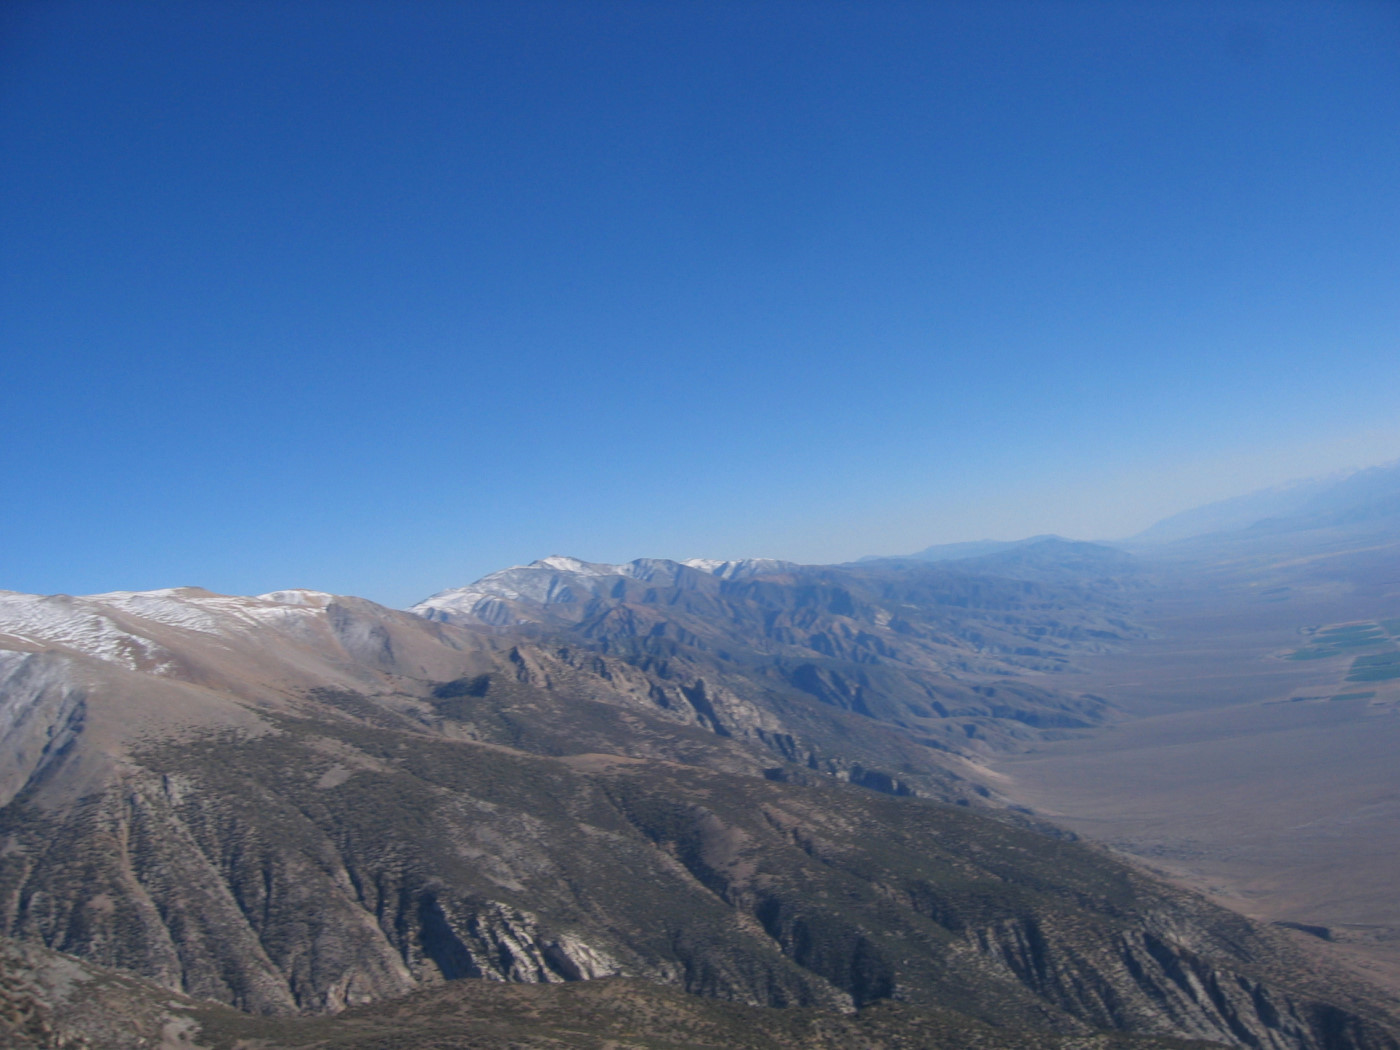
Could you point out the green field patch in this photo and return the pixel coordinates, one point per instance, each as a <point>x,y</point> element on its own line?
<point>1352,639</point>
<point>1389,659</point>
<point>1353,696</point>
<point>1314,653</point>
<point>1368,627</point>
<point>1379,667</point>
<point>1321,652</point>
<point>1335,641</point>
<point>1374,674</point>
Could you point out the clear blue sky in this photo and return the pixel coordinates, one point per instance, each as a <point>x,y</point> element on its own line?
<point>376,298</point>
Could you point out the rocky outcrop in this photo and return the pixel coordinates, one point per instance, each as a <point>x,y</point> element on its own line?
<point>42,709</point>
<point>1147,980</point>
<point>489,940</point>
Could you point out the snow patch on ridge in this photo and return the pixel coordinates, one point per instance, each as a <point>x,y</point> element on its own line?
<point>560,579</point>
<point>739,567</point>
<point>298,596</point>
<point>117,627</point>
<point>72,623</point>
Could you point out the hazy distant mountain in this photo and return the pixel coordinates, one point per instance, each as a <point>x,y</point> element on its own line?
<point>1036,558</point>
<point>1238,512</point>
<point>1368,496</point>
<point>1347,499</point>
<point>1339,499</point>
<point>958,551</point>
<point>1051,558</point>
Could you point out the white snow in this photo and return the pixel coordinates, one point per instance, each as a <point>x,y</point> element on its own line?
<point>736,567</point>
<point>71,623</point>
<point>298,596</point>
<point>193,609</point>
<point>563,579</point>
<point>117,626</point>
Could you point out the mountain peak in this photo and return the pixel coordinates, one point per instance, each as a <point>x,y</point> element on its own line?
<point>563,580</point>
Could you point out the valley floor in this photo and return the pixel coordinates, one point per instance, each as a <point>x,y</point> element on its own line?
<point>1234,769</point>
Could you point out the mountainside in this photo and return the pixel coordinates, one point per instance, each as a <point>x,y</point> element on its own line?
<point>700,781</point>
<point>1237,512</point>
<point>1366,498</point>
<point>1053,560</point>
<point>51,1001</point>
<point>965,549</point>
<point>1361,499</point>
<point>959,659</point>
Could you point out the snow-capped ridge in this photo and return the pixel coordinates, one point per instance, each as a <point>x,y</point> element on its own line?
<point>77,625</point>
<point>127,627</point>
<point>559,579</point>
<point>298,596</point>
<point>739,567</point>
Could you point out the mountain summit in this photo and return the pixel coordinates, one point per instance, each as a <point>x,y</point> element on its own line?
<point>561,580</point>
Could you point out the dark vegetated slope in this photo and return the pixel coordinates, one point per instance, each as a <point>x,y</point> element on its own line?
<point>903,612</point>
<point>667,703</point>
<point>50,1001</point>
<point>328,865</point>
<point>603,1015</point>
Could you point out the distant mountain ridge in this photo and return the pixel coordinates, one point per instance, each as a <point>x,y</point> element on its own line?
<point>1345,499</point>
<point>1354,498</point>
<point>1237,512</point>
<point>1034,558</point>
<point>967,549</point>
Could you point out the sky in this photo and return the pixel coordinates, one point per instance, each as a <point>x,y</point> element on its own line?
<point>376,298</point>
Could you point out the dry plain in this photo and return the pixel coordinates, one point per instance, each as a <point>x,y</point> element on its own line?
<point>1270,781</point>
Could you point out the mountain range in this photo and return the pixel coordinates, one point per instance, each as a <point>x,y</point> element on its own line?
<point>751,794</point>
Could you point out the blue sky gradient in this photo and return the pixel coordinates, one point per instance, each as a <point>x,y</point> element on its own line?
<point>376,298</point>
